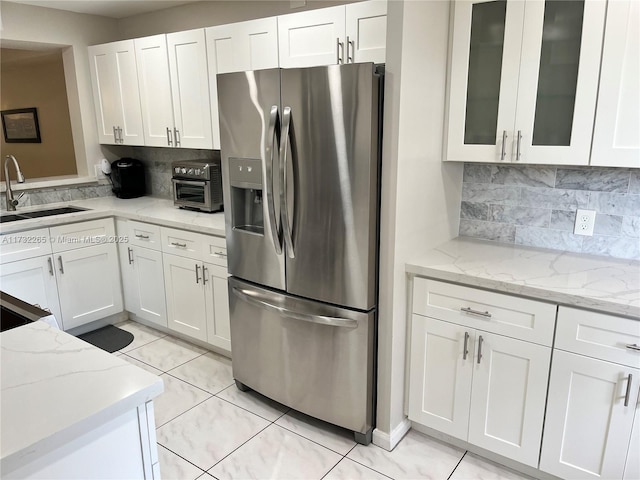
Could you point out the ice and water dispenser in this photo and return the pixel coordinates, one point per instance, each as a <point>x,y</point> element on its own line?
<point>245,178</point>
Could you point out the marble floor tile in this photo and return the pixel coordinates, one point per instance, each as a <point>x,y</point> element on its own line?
<point>177,398</point>
<point>210,431</point>
<point>205,476</point>
<point>473,467</point>
<point>254,402</point>
<point>210,372</point>
<point>335,438</point>
<point>416,456</point>
<point>277,453</point>
<point>141,334</point>
<point>349,470</point>
<point>166,353</point>
<point>173,467</point>
<point>140,364</point>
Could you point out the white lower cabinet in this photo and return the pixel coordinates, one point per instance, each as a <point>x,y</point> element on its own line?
<point>32,280</point>
<point>217,306</point>
<point>480,387</point>
<point>632,467</point>
<point>88,284</point>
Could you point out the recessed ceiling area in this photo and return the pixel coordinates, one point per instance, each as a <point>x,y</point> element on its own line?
<point>107,8</point>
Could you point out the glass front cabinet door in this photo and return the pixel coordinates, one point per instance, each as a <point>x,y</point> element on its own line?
<point>524,80</point>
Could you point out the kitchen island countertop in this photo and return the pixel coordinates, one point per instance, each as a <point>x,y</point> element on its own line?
<point>55,387</point>
<point>604,284</point>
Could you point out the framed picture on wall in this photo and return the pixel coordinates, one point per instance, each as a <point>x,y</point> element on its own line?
<point>21,125</point>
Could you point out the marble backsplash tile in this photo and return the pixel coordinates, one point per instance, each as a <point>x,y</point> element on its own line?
<point>60,194</point>
<point>536,206</point>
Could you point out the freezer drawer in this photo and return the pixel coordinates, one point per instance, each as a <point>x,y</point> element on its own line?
<point>310,356</point>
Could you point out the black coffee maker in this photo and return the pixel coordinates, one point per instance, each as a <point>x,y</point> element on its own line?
<point>127,177</point>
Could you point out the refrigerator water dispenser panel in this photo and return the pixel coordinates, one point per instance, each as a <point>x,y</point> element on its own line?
<point>245,178</point>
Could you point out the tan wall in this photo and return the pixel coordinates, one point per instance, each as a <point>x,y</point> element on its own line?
<point>39,82</point>
<point>208,14</point>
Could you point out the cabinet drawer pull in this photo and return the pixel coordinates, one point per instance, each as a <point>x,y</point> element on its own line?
<point>176,133</point>
<point>465,349</point>
<point>628,394</point>
<point>181,245</point>
<point>350,56</point>
<point>503,152</point>
<point>480,340</point>
<point>518,144</point>
<point>129,253</point>
<point>60,263</point>
<point>204,275</point>
<point>115,135</point>
<point>220,254</point>
<point>197,273</point>
<point>634,346</point>
<point>340,51</point>
<point>144,237</point>
<point>169,141</point>
<point>471,311</point>
<point>50,266</point>
<point>120,139</point>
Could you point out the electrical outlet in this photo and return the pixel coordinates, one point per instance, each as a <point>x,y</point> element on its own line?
<point>585,221</point>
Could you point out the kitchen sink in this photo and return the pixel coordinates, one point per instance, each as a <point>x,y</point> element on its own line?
<point>39,213</point>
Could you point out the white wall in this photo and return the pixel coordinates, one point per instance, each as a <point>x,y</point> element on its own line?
<point>26,26</point>
<point>420,193</point>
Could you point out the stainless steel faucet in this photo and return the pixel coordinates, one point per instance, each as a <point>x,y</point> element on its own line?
<point>12,202</point>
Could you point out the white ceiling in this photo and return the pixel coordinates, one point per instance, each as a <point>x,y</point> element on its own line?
<point>106,8</point>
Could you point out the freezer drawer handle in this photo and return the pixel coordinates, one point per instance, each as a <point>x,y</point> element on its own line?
<point>471,311</point>
<point>254,298</point>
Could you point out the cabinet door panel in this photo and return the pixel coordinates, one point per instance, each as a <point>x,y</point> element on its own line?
<point>190,89</point>
<point>485,57</point>
<point>309,39</point>
<point>366,28</point>
<point>616,139</point>
<point>558,86</point>
<point>217,302</point>
<point>440,384</point>
<point>88,284</point>
<point>149,283</point>
<point>587,427</point>
<point>33,281</point>
<point>106,95</point>
<point>632,466</point>
<point>508,397</point>
<point>131,131</point>
<point>185,297</point>
<point>154,83</point>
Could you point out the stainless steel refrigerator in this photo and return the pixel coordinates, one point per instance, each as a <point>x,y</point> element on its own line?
<point>300,155</point>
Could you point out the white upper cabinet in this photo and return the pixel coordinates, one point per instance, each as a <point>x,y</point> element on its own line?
<point>238,47</point>
<point>115,93</point>
<point>616,139</point>
<point>344,34</point>
<point>524,80</point>
<point>174,89</point>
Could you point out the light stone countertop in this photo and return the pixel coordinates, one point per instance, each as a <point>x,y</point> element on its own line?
<point>55,387</point>
<point>159,211</point>
<point>599,283</point>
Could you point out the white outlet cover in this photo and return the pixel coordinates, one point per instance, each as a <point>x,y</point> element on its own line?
<point>585,221</point>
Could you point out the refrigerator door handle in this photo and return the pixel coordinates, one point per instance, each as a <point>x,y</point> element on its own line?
<point>271,209</point>
<point>260,300</point>
<point>286,138</point>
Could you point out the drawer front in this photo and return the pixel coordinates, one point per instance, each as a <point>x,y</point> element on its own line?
<point>598,335</point>
<point>144,235</point>
<point>215,250</point>
<point>181,242</point>
<point>508,315</point>
<point>82,234</point>
<point>29,244</point>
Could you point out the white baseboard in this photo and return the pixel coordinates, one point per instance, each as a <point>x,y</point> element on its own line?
<point>389,441</point>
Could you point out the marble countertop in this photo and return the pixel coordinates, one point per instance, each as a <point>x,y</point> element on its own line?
<point>145,209</point>
<point>55,387</point>
<point>599,283</point>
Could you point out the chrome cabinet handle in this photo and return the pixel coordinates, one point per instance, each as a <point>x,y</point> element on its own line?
<point>169,141</point>
<point>181,245</point>
<point>50,262</point>
<point>60,263</point>
<point>220,254</point>
<point>518,152</point>
<point>115,134</point>
<point>471,311</point>
<point>177,136</point>
<point>129,253</point>
<point>121,140</point>
<point>287,137</point>
<point>204,275</point>
<point>144,237</point>
<point>340,51</point>
<point>465,349</point>
<point>628,394</point>
<point>197,273</point>
<point>271,208</point>
<point>480,340</point>
<point>503,152</point>
<point>350,56</point>
<point>633,346</point>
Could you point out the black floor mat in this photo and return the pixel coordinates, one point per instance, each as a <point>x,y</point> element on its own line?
<point>108,338</point>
